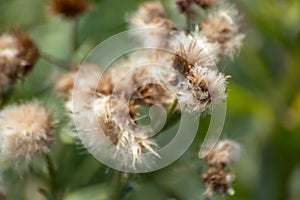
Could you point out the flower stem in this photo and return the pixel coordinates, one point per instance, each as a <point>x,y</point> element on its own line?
<point>171,108</point>
<point>188,22</point>
<point>5,96</point>
<point>116,192</point>
<point>74,36</point>
<point>52,175</point>
<point>56,61</point>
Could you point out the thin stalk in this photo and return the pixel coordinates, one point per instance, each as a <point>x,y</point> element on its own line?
<point>171,109</point>
<point>52,175</point>
<point>55,61</point>
<point>74,36</point>
<point>188,22</point>
<point>116,192</point>
<point>5,95</point>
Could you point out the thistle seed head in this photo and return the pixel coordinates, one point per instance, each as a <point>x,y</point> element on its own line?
<point>224,153</point>
<point>222,28</point>
<point>203,89</point>
<point>193,49</point>
<point>25,132</point>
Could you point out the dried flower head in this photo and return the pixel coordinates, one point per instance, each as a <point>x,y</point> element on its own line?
<point>114,115</point>
<point>82,82</point>
<point>203,89</point>
<point>193,49</point>
<point>217,182</point>
<point>152,16</point>
<point>224,153</point>
<point>69,8</point>
<point>139,78</point>
<point>222,28</point>
<point>149,10</point>
<point>218,177</point>
<point>64,83</point>
<point>18,54</point>
<point>25,132</point>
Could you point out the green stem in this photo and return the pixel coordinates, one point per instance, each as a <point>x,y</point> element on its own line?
<point>55,61</point>
<point>52,175</point>
<point>74,36</point>
<point>171,109</point>
<point>5,96</point>
<point>188,22</point>
<point>116,192</point>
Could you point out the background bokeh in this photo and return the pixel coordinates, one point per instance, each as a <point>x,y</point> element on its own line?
<point>263,103</point>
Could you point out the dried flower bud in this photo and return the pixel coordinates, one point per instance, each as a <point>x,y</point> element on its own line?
<point>18,54</point>
<point>217,181</point>
<point>222,28</point>
<point>69,8</point>
<point>26,131</point>
<point>224,153</point>
<point>205,3</point>
<point>184,6</point>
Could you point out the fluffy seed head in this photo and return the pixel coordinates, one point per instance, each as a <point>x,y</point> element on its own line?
<point>25,132</point>
<point>114,116</point>
<point>83,82</point>
<point>69,8</point>
<point>152,16</point>
<point>222,28</point>
<point>224,153</point>
<point>218,177</point>
<point>64,83</point>
<point>18,54</point>
<point>203,89</point>
<point>217,182</point>
<point>193,49</point>
<point>150,10</point>
<point>140,78</point>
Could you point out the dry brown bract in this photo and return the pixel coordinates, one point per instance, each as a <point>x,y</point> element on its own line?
<point>69,8</point>
<point>18,54</point>
<point>205,3</point>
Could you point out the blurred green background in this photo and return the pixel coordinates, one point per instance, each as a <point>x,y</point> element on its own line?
<point>263,112</point>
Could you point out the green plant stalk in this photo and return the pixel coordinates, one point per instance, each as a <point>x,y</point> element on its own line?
<point>55,61</point>
<point>5,96</point>
<point>188,17</point>
<point>171,109</point>
<point>52,175</point>
<point>116,187</point>
<point>74,36</point>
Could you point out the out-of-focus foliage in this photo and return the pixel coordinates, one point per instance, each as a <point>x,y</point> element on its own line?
<point>263,105</point>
